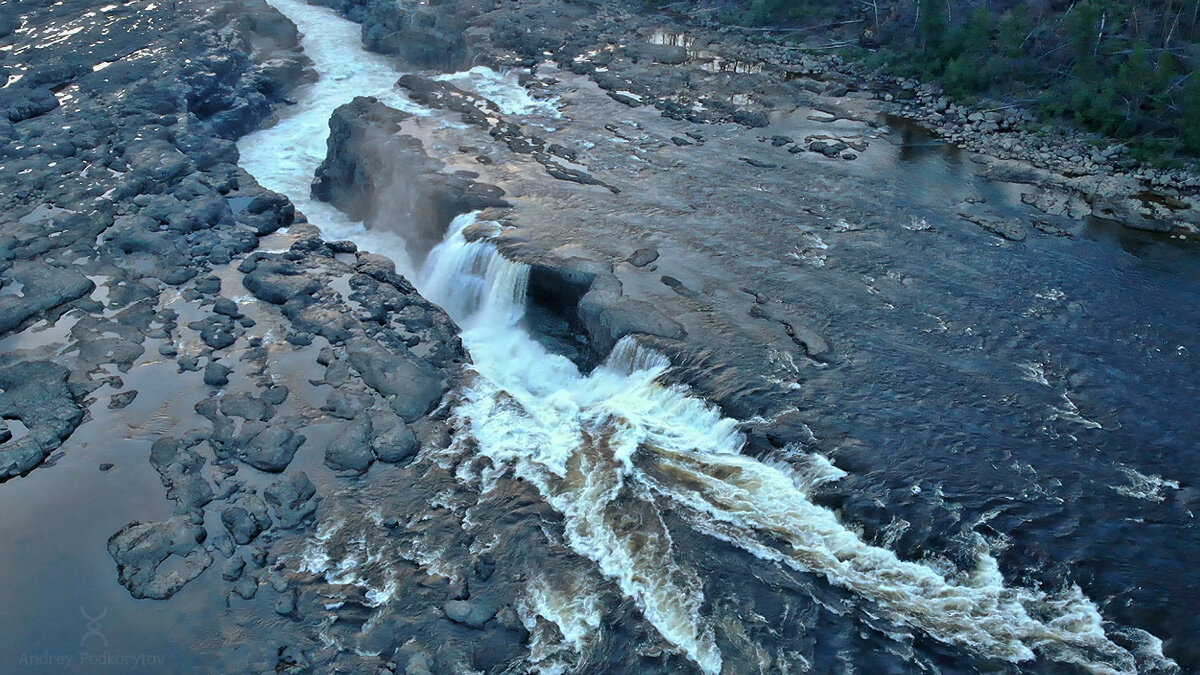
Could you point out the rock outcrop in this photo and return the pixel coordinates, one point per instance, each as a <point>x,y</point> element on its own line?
<point>379,175</point>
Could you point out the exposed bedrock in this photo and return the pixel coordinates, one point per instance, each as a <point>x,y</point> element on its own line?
<point>578,308</point>
<point>36,394</point>
<point>375,173</point>
<point>425,35</point>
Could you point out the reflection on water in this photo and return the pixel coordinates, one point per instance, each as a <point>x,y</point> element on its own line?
<point>915,142</point>
<point>1162,250</point>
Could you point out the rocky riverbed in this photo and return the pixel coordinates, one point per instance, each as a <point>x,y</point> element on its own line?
<point>960,370</point>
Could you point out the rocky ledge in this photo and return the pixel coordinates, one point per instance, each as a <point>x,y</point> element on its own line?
<point>696,70</point>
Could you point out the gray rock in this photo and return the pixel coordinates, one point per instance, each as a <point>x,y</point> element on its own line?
<point>293,499</point>
<point>37,394</point>
<point>274,395</point>
<point>473,613</point>
<point>413,386</point>
<point>140,548</point>
<point>247,520</point>
<point>667,54</point>
<point>392,440</point>
<point>271,449</point>
<point>351,450</point>
<point>217,337</point>
<point>286,604</point>
<point>122,399</point>
<point>227,307</point>
<point>246,406</point>
<point>278,281</point>
<point>232,570</point>
<point>345,404</point>
<point>643,256</point>
<point>44,287</point>
<point>216,374</point>
<point>608,316</point>
<point>246,587</point>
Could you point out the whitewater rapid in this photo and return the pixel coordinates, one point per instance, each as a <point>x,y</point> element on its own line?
<point>600,446</point>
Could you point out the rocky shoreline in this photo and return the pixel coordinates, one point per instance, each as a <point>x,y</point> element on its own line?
<point>128,221</point>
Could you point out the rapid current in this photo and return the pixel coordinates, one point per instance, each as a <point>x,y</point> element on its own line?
<point>599,445</point>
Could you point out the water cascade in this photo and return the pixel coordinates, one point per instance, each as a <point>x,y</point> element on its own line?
<point>616,445</point>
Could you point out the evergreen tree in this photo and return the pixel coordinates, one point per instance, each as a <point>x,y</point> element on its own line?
<point>932,26</point>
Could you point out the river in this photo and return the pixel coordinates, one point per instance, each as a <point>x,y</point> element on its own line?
<point>647,475</point>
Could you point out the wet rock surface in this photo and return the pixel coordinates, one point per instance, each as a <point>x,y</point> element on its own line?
<point>378,175</point>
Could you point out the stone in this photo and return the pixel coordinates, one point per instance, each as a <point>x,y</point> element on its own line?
<point>122,399</point>
<point>140,548</point>
<point>216,374</point>
<point>271,449</point>
<point>350,451</point>
<point>226,307</point>
<point>293,499</point>
<point>247,520</point>
<point>345,404</point>
<point>279,281</point>
<point>392,440</point>
<point>246,587</point>
<point>643,256</point>
<point>607,316</point>
<point>37,394</point>
<point>232,570</point>
<point>473,613</point>
<point>285,605</point>
<point>411,384</point>
<point>44,287</point>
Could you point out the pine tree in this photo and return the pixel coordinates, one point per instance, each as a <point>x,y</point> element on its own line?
<point>932,25</point>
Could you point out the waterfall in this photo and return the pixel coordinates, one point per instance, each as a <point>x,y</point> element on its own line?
<point>472,281</point>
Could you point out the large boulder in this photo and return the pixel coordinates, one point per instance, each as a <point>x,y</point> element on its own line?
<point>350,451</point>
<point>37,394</point>
<point>607,316</point>
<point>140,548</point>
<point>43,287</point>
<point>246,520</point>
<point>279,281</point>
<point>293,499</point>
<point>410,384</point>
<point>271,449</point>
<point>377,174</point>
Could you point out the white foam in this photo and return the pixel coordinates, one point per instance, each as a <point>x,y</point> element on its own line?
<point>564,620</point>
<point>503,89</point>
<point>471,279</point>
